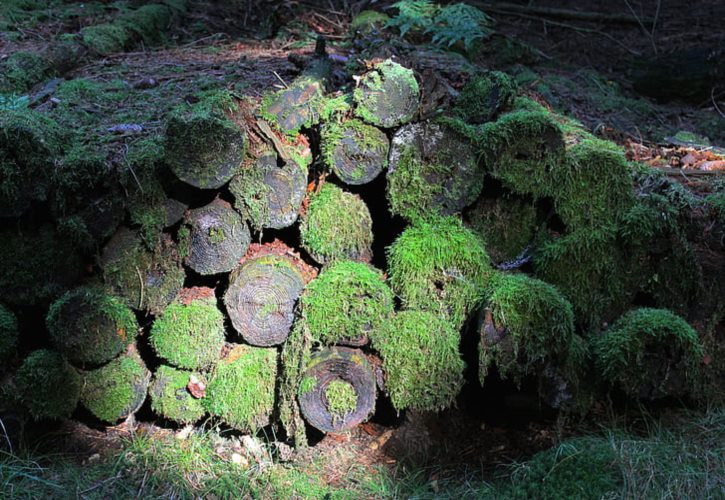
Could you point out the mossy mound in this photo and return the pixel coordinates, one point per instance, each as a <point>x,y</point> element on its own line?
<point>650,354</point>
<point>483,97</point>
<point>116,390</point>
<point>29,144</point>
<point>39,264</point>
<point>145,280</point>
<point>47,385</point>
<point>354,151</point>
<point>204,145</point>
<point>190,332</point>
<point>336,226</point>
<point>432,169</point>
<point>507,225</point>
<point>268,195</point>
<point>387,96</point>
<point>241,389</point>
<point>22,70</point>
<point>213,238</point>
<point>423,367</point>
<point>528,323</point>
<point>367,22</point>
<point>170,396</point>
<point>89,326</point>
<point>347,302</point>
<point>8,336</point>
<point>438,265</point>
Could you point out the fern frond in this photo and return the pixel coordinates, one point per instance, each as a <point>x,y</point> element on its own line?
<point>457,22</point>
<point>413,15</point>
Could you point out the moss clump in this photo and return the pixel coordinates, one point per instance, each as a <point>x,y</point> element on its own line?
<point>650,353</point>
<point>367,22</point>
<point>204,145</point>
<point>241,390</point>
<point>341,398</point>
<point>387,96</point>
<point>530,324</point>
<point>106,39</point>
<point>22,70</point>
<point>170,397</point>
<point>440,266</point>
<point>423,367</point>
<point>8,336</point>
<point>507,225</point>
<point>337,225</point>
<point>433,169</point>
<point>484,97</point>
<point>47,385</point>
<point>347,301</point>
<point>90,327</point>
<point>190,332</point>
<point>117,389</point>
<point>354,151</point>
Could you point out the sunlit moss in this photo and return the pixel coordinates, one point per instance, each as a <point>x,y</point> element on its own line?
<point>341,398</point>
<point>354,151</point>
<point>387,96</point>
<point>170,397</point>
<point>47,385</point>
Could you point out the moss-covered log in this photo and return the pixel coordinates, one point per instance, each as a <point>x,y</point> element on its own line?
<point>354,151</point>
<point>90,327</point>
<point>117,390</point>
<point>484,97</point>
<point>336,226</point>
<point>268,195</point>
<point>171,397</point>
<point>146,280</point>
<point>241,389</point>
<point>47,386</point>
<point>204,144</point>
<point>432,169</point>
<point>338,390</point>
<point>263,292</point>
<point>8,336</point>
<point>387,96</point>
<point>190,332</point>
<point>22,70</point>
<point>213,238</point>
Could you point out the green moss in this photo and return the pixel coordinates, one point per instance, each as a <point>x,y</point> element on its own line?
<point>106,39</point>
<point>190,334</point>
<point>341,399</point>
<point>650,353</point>
<point>241,390</point>
<point>294,359</point>
<point>307,384</point>
<point>170,397</point>
<point>387,96</point>
<point>716,202</point>
<point>300,105</point>
<point>47,385</point>
<point>354,151</point>
<point>117,389</point>
<point>484,97</point>
<point>423,367</point>
<point>348,300</point>
<point>440,266</point>
<point>21,70</point>
<point>8,336</point>
<point>89,326</point>
<point>534,321</point>
<point>368,21</point>
<point>337,225</point>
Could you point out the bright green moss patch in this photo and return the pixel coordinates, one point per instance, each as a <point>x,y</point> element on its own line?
<point>89,326</point>
<point>368,21</point>
<point>171,398</point>
<point>337,225</point>
<point>117,389</point>
<point>650,353</point>
<point>241,390</point>
<point>47,385</point>
<point>440,266</point>
<point>423,367</point>
<point>484,97</point>
<point>348,300</point>
<point>8,336</point>
<point>530,323</point>
<point>190,332</point>
<point>341,398</point>
<point>387,96</point>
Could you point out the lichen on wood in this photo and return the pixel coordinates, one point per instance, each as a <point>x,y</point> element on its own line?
<point>387,95</point>
<point>354,151</point>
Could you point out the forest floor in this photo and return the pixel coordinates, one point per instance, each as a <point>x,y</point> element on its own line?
<point>578,67</point>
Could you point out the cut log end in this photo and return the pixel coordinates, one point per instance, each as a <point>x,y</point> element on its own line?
<point>356,152</point>
<point>387,96</point>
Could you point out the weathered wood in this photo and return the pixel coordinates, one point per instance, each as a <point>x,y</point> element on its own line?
<point>387,96</point>
<point>356,152</point>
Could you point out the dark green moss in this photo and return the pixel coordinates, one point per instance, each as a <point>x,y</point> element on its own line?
<point>387,96</point>
<point>8,336</point>
<point>347,301</point>
<point>21,70</point>
<point>47,385</point>
<point>116,390</point>
<point>190,332</point>
<point>336,226</point>
<point>241,389</point>
<point>440,266</point>
<point>423,368</point>
<point>484,97</point>
<point>90,327</point>
<point>650,353</point>
<point>170,397</point>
